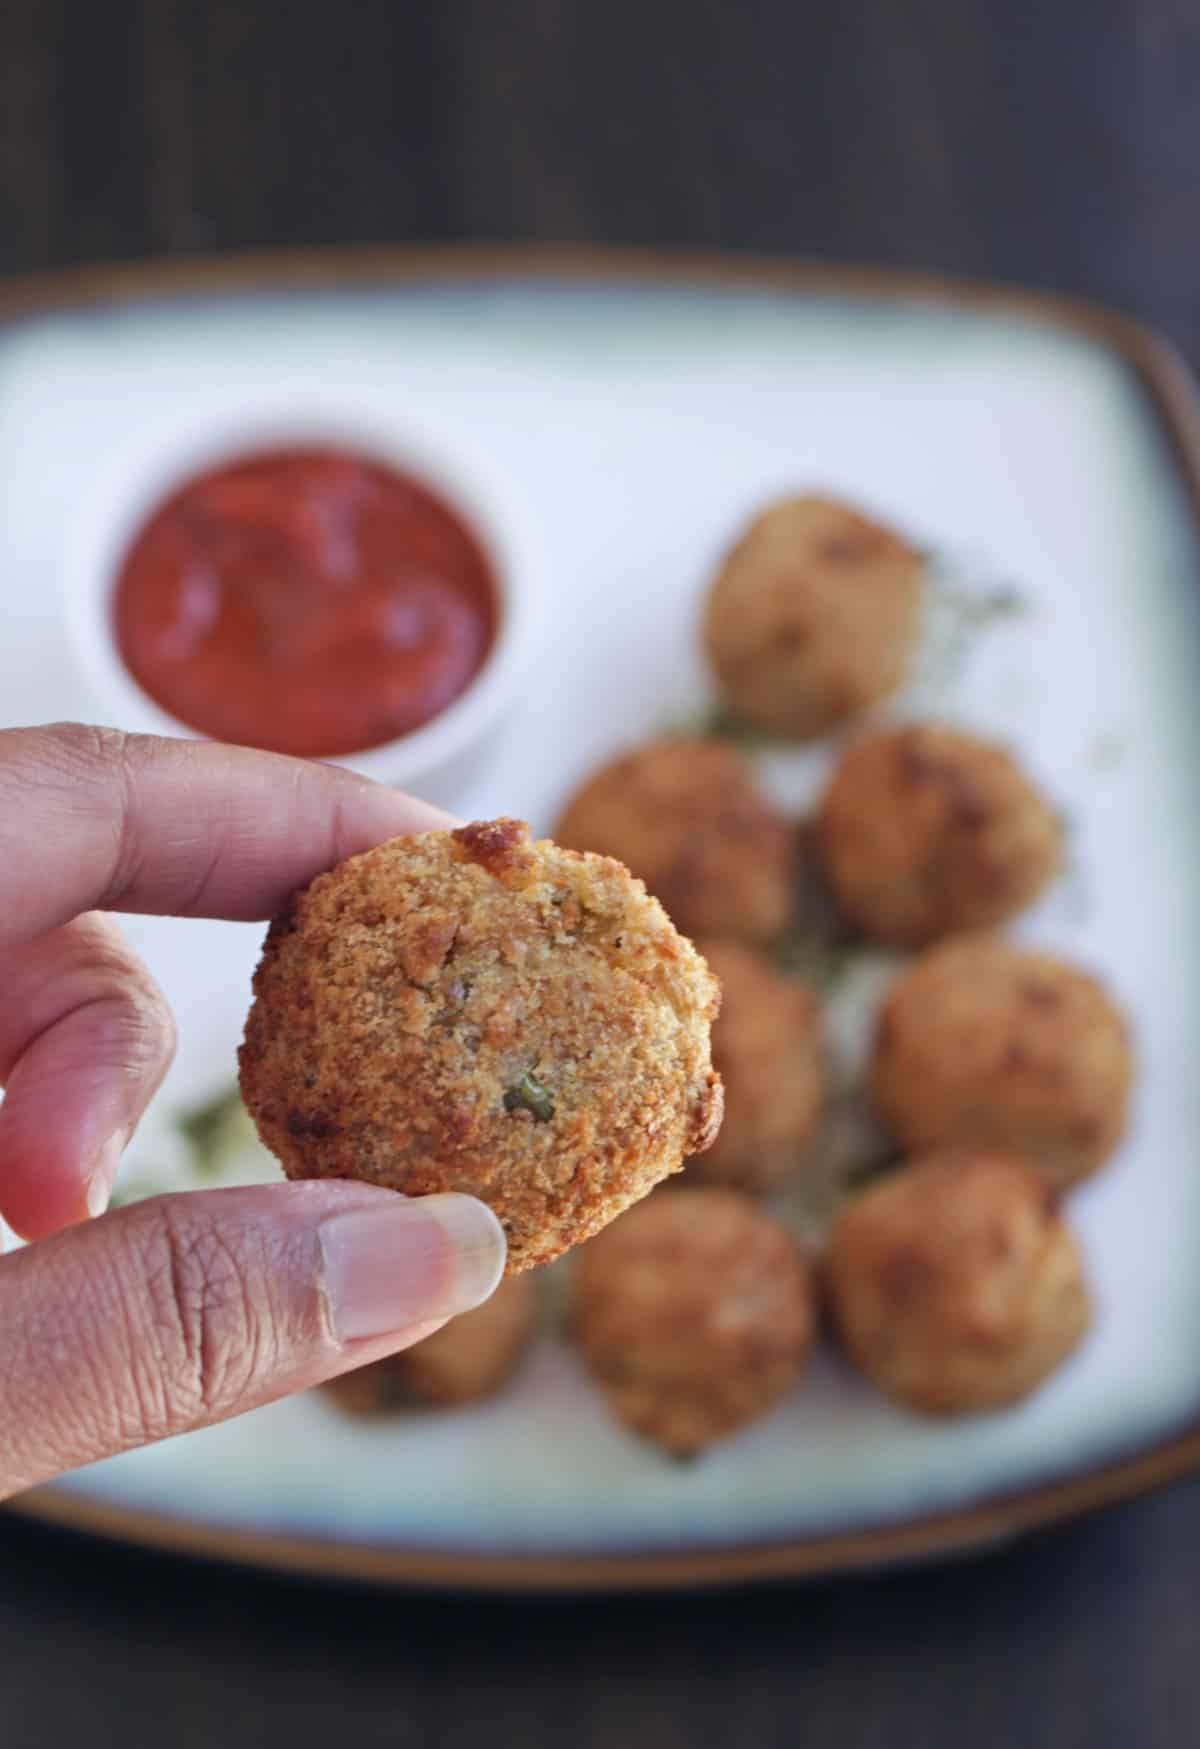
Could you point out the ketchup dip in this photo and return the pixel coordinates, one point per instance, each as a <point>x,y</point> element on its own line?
<point>308,601</point>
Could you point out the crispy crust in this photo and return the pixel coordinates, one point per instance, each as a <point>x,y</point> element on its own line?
<point>469,1358</point>
<point>695,1313</point>
<point>813,616</point>
<point>769,1049</point>
<point>955,1285</point>
<point>686,815</point>
<point>927,831</point>
<point>982,1043</point>
<point>409,990</point>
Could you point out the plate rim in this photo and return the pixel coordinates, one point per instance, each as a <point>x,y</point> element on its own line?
<point>1169,388</point>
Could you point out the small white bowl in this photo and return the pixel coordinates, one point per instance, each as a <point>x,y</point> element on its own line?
<point>130,486</point>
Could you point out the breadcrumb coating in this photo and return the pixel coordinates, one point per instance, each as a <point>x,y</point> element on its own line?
<point>469,1358</point>
<point>769,1050</point>
<point>814,616</point>
<point>955,1284</point>
<point>473,1011</point>
<point>686,815</point>
<point>927,831</point>
<point>984,1043</point>
<point>695,1312</point>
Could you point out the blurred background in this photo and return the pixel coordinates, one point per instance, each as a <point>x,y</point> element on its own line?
<point>1054,145</point>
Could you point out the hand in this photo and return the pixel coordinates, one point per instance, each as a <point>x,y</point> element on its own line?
<point>184,1309</point>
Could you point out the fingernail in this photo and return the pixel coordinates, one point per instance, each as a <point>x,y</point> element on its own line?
<point>407,1261</point>
<point>104,1175</point>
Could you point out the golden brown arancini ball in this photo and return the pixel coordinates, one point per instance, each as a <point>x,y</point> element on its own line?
<point>983,1043</point>
<point>468,1358</point>
<point>695,1313</point>
<point>955,1284</point>
<point>927,831</point>
<point>769,1050</point>
<point>471,1011</point>
<point>813,617</point>
<point>687,816</point>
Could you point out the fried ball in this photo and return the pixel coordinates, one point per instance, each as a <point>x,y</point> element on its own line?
<point>695,1313</point>
<point>926,831</point>
<point>686,815</point>
<point>769,1049</point>
<point>468,1358</point>
<point>984,1043</point>
<point>471,1011</point>
<point>955,1284</point>
<point>813,617</point>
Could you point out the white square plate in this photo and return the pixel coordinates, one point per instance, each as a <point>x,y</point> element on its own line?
<point>639,412</point>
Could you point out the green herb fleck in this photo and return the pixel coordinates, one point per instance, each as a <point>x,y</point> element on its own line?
<point>820,960</point>
<point>848,1154</point>
<point>725,724</point>
<point>529,1094</point>
<point>869,1171</point>
<point>133,1190</point>
<point>717,722</point>
<point>960,611</point>
<point>206,1129</point>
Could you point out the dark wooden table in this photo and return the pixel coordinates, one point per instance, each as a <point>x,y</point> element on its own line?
<point>1053,143</point>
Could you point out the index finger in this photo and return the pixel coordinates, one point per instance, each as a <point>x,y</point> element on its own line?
<point>92,819</point>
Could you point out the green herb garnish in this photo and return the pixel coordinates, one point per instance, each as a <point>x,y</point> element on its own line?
<point>529,1094</point>
<point>820,960</point>
<point>205,1129</point>
<point>960,611</point>
<point>869,1171</point>
<point>132,1190</point>
<point>717,722</point>
<point>725,724</point>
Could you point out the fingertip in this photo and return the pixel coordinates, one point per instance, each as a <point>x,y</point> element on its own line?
<point>372,813</point>
<point>103,1176</point>
<point>478,1243</point>
<point>387,1266</point>
<point>415,813</point>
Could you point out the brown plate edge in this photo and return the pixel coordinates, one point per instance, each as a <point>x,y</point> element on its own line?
<point>1168,385</point>
<point>958,1532</point>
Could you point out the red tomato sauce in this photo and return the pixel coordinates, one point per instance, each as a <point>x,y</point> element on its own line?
<point>307,601</point>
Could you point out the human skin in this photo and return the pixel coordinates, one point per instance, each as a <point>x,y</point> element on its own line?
<point>187,1309</point>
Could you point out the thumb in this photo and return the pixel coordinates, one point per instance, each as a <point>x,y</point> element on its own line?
<point>187,1309</point>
